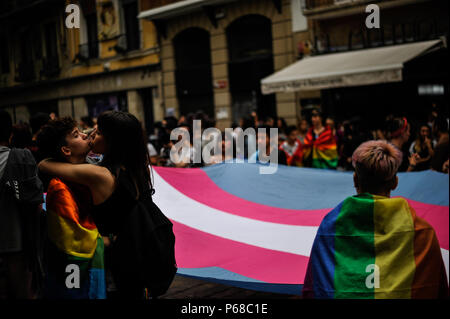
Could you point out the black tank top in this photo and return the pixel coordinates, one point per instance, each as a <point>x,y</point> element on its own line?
<point>108,216</point>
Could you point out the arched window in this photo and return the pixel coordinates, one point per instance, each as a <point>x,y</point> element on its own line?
<point>249,41</point>
<point>193,71</point>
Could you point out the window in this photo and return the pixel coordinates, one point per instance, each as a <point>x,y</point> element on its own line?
<point>51,61</point>
<point>4,54</point>
<point>91,22</point>
<point>6,6</point>
<point>130,12</point>
<point>25,39</point>
<point>51,41</point>
<point>25,67</point>
<point>89,32</point>
<point>37,43</point>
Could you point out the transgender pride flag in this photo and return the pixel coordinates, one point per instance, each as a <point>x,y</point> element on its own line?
<point>238,227</point>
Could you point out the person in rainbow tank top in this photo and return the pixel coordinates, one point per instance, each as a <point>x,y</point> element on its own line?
<point>372,246</point>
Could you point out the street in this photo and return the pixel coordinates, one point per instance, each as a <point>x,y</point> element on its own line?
<point>189,288</point>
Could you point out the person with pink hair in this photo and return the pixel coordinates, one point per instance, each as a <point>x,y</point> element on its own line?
<point>376,164</point>
<point>372,246</point>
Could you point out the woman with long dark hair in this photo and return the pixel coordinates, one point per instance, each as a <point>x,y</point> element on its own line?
<point>398,132</point>
<point>423,147</point>
<point>116,183</point>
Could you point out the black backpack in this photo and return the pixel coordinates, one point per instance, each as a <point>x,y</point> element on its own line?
<point>144,251</point>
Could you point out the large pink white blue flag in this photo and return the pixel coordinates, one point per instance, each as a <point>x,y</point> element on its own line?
<point>236,226</point>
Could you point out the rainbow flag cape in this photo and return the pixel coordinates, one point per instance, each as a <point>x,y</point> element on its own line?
<point>320,152</point>
<point>374,247</point>
<point>238,227</point>
<point>74,240</point>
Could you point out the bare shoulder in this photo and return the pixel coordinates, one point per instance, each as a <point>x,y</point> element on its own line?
<point>100,181</point>
<point>99,173</point>
<point>87,174</point>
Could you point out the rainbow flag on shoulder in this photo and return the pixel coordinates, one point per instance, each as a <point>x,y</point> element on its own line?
<point>76,249</point>
<point>374,247</point>
<point>320,152</point>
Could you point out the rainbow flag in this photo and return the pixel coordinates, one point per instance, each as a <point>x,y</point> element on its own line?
<point>238,227</point>
<point>374,247</point>
<point>75,241</point>
<point>320,152</point>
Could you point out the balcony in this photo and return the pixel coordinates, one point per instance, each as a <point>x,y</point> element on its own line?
<point>314,4</point>
<point>157,3</point>
<point>10,9</point>
<point>323,9</point>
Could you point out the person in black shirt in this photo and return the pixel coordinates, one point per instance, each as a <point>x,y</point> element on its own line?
<point>398,133</point>
<point>441,154</point>
<point>21,196</point>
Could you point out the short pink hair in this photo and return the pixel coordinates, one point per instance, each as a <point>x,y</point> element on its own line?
<point>376,164</point>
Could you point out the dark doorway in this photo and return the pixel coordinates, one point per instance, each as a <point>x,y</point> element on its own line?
<point>250,59</point>
<point>193,71</point>
<point>425,87</point>
<point>147,101</point>
<point>49,106</point>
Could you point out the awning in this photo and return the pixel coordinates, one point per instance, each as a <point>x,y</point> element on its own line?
<point>179,8</point>
<point>363,67</point>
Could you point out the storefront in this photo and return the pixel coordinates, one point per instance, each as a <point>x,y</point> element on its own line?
<point>402,80</point>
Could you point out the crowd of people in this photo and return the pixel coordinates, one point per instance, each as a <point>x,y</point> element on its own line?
<point>317,141</point>
<point>94,171</point>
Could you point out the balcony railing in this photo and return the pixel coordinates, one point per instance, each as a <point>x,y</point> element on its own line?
<point>25,72</point>
<point>159,3</point>
<point>390,34</point>
<point>14,8</point>
<point>88,51</point>
<point>125,43</point>
<point>320,4</point>
<point>314,4</point>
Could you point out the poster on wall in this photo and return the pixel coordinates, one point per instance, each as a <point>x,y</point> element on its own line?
<point>97,104</point>
<point>108,19</point>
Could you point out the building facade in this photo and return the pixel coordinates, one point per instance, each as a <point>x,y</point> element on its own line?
<point>339,26</point>
<point>214,54</point>
<point>160,57</point>
<point>110,62</point>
